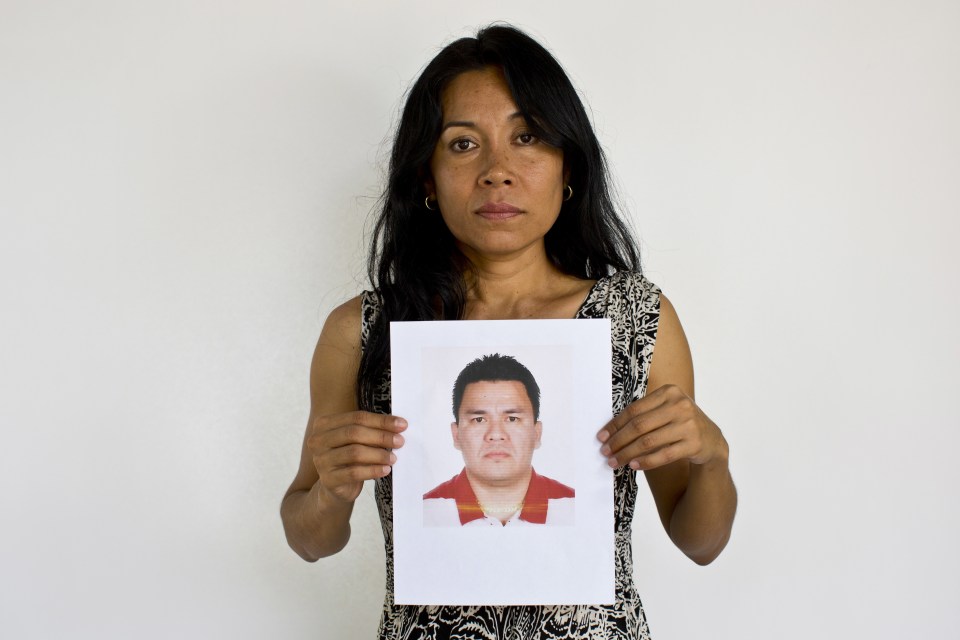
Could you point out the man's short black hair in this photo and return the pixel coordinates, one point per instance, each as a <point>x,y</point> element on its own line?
<point>496,368</point>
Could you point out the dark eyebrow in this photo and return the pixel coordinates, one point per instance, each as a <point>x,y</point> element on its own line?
<point>468,123</point>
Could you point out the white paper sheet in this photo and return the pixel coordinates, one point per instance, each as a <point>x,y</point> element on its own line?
<point>567,560</point>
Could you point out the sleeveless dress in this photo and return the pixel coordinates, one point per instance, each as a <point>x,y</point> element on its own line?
<point>633,305</point>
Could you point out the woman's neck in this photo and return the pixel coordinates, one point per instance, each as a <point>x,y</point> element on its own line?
<point>521,287</point>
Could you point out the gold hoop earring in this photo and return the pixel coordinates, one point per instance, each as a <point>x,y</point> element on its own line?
<point>569,191</point>
<point>426,203</point>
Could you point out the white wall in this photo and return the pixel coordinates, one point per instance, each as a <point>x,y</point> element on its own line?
<point>184,188</point>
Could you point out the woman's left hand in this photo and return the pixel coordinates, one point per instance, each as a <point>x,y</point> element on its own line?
<point>660,428</point>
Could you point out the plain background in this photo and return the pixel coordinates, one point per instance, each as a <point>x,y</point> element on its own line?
<point>184,188</point>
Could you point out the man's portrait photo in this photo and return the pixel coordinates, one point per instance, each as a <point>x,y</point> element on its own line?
<point>496,428</point>
<point>501,450</point>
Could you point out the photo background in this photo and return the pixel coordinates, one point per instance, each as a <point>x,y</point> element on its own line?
<point>551,368</point>
<point>184,189</point>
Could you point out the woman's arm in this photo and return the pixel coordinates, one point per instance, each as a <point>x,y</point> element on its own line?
<point>342,446</point>
<point>682,451</point>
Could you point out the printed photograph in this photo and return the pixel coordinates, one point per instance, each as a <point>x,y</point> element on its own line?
<point>498,423</point>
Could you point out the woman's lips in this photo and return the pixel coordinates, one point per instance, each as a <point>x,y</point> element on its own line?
<point>498,210</point>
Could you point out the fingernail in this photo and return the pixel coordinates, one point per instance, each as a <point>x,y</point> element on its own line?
<point>400,423</point>
<point>605,449</point>
<point>397,441</point>
<point>386,471</point>
<point>603,436</point>
<point>393,458</point>
<point>613,463</point>
<point>634,465</point>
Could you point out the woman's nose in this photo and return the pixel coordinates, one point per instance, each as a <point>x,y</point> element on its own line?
<point>498,170</point>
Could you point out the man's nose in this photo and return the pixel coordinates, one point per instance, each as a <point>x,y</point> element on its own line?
<point>496,431</point>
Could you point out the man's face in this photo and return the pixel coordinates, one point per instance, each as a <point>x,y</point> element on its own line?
<point>496,432</point>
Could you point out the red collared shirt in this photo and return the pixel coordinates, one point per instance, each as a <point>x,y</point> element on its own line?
<point>546,502</point>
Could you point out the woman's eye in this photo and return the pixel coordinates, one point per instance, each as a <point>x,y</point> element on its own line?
<point>462,145</point>
<point>526,138</point>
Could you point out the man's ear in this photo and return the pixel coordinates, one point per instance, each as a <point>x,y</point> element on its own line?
<point>455,432</point>
<point>539,428</point>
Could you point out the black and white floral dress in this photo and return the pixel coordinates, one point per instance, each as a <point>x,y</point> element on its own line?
<point>633,305</point>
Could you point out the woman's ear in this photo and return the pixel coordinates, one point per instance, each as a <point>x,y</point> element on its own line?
<point>429,187</point>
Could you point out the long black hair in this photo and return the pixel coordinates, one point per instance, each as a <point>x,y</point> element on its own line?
<point>414,264</point>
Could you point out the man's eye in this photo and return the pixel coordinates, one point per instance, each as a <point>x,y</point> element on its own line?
<point>513,418</point>
<point>478,419</point>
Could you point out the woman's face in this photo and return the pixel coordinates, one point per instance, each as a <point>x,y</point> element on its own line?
<point>498,187</point>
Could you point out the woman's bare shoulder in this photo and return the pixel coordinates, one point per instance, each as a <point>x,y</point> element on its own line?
<point>672,363</point>
<point>343,325</point>
<point>337,355</point>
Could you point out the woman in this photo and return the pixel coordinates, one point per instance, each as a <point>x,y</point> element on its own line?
<point>497,207</point>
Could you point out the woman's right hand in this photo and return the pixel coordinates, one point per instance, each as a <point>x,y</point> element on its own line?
<point>349,448</point>
<point>342,446</point>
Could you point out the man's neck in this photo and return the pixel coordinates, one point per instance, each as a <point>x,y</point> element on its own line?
<point>500,501</point>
